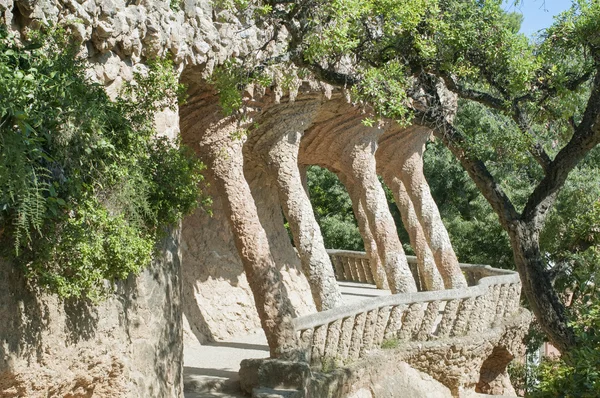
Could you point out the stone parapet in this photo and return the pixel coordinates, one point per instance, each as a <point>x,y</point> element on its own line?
<point>344,334</point>
<point>449,367</point>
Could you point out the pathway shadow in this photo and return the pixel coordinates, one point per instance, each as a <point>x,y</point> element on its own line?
<point>242,346</point>
<point>228,374</point>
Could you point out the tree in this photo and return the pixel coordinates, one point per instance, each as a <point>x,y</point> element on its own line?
<point>402,54</point>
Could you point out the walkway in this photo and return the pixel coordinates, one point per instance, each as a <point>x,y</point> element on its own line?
<point>211,370</point>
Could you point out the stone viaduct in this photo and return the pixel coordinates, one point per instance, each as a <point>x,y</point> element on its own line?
<point>227,273</point>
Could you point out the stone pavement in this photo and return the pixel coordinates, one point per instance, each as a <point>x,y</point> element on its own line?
<point>211,370</point>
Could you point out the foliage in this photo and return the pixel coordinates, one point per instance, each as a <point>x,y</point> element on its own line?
<point>230,79</point>
<point>473,227</point>
<point>577,372</point>
<point>333,210</point>
<point>86,187</point>
<point>390,344</point>
<point>335,215</point>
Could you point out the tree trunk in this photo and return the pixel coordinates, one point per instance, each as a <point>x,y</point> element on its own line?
<point>544,302</point>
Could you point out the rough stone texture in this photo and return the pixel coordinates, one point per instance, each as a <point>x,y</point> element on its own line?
<point>494,379</point>
<point>365,231</point>
<point>129,345</point>
<point>449,367</point>
<point>430,276</point>
<point>458,363</point>
<point>273,373</point>
<point>250,214</point>
<point>340,142</point>
<point>403,381</point>
<point>400,162</point>
<point>117,32</point>
<point>276,144</point>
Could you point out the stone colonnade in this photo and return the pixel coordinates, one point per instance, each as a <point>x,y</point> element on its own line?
<point>257,171</point>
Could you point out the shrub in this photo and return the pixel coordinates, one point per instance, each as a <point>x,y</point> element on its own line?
<point>86,187</point>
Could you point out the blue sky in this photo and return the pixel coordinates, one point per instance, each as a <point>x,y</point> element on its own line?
<point>537,13</point>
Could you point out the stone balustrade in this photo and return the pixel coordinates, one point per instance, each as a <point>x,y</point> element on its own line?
<point>344,334</point>
<point>353,266</point>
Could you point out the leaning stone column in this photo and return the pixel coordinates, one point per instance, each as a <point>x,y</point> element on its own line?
<point>278,142</point>
<point>431,278</point>
<point>359,157</point>
<point>365,231</point>
<point>305,230</point>
<point>223,155</point>
<point>427,211</point>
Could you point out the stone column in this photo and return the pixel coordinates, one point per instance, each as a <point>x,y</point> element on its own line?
<point>411,173</point>
<point>223,155</point>
<point>277,143</point>
<point>359,159</point>
<point>283,157</point>
<point>365,231</point>
<point>431,278</point>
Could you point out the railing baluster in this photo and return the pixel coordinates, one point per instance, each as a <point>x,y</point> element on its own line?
<point>514,298</point>
<point>366,264</point>
<point>306,342</point>
<point>463,317</point>
<point>318,344</point>
<point>501,303</point>
<point>332,340</point>
<point>411,322</point>
<point>394,322</point>
<point>347,267</point>
<point>338,268</point>
<point>382,321</point>
<point>369,331</point>
<point>357,334</point>
<point>429,318</point>
<point>448,318</point>
<point>360,270</point>
<point>354,269</point>
<point>345,338</point>
<point>492,304</point>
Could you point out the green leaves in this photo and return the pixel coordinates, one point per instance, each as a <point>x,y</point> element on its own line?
<point>385,89</point>
<point>333,210</point>
<point>577,372</point>
<point>86,187</point>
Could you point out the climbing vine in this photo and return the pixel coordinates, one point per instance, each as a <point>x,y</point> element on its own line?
<point>86,186</point>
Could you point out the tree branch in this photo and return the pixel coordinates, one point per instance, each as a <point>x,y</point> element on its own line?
<point>487,185</point>
<point>536,149</point>
<point>473,95</point>
<point>585,137</point>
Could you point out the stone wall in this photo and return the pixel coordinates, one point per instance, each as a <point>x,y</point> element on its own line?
<point>131,344</point>
<point>445,367</point>
<point>127,346</point>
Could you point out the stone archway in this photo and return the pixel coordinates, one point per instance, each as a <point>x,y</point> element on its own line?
<point>494,379</point>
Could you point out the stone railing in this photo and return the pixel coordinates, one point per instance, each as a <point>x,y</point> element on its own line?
<point>343,334</point>
<point>353,266</point>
